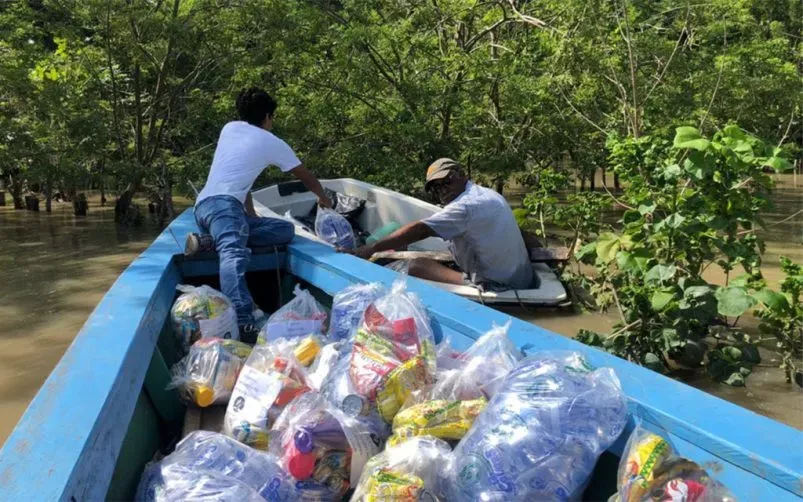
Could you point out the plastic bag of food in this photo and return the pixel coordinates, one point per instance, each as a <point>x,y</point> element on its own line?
<point>348,307</point>
<point>301,316</point>
<point>203,312</point>
<point>650,470</point>
<point>482,368</point>
<point>412,471</point>
<point>393,352</point>
<point>447,357</point>
<point>271,378</point>
<point>322,447</point>
<point>210,466</point>
<point>334,229</point>
<point>540,436</point>
<point>208,373</point>
<point>449,420</point>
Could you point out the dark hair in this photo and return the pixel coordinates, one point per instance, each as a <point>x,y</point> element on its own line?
<point>254,104</point>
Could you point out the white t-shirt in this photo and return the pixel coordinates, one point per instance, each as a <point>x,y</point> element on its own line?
<point>485,240</point>
<point>243,151</point>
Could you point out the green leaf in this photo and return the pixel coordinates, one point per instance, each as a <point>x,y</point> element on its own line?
<point>661,298</point>
<point>608,245</point>
<point>735,379</point>
<point>653,362</point>
<point>647,208</point>
<point>672,171</point>
<point>660,273</point>
<point>587,250</point>
<point>779,164</point>
<point>735,132</point>
<point>696,291</point>
<point>772,299</point>
<point>733,301</point>
<point>689,138</point>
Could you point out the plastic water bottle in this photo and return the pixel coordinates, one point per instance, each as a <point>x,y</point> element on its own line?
<point>205,451</point>
<point>541,435</point>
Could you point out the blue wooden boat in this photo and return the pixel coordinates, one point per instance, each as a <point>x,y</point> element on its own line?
<point>103,411</point>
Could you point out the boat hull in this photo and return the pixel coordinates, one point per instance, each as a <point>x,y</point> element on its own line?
<point>103,410</point>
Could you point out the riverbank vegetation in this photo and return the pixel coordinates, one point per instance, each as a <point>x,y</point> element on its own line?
<point>128,97</point>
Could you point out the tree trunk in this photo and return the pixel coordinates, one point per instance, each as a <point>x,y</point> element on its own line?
<point>616,182</point>
<point>592,181</point>
<point>125,212</point>
<point>15,189</point>
<point>80,205</point>
<point>500,186</point>
<point>49,195</point>
<point>102,185</point>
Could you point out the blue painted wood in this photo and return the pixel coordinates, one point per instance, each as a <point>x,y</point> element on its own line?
<point>753,454</point>
<point>66,445</point>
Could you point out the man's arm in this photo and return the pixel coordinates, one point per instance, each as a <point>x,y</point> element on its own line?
<point>401,238</point>
<point>309,180</point>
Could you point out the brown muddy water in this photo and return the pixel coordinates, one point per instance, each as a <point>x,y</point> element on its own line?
<point>54,269</point>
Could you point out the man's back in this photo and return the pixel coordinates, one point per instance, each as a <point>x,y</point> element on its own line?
<point>487,242</point>
<point>242,152</point>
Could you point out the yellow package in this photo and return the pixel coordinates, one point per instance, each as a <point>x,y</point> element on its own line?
<point>438,411</point>
<point>387,484</point>
<point>449,431</point>
<point>398,385</point>
<point>648,453</point>
<point>307,350</point>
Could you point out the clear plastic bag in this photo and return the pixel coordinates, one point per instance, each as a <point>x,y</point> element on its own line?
<point>481,369</point>
<point>540,436</point>
<point>348,307</point>
<point>271,378</point>
<point>322,447</point>
<point>393,352</point>
<point>203,312</point>
<point>208,373</point>
<point>301,316</point>
<point>210,466</point>
<point>412,471</point>
<point>324,364</point>
<point>650,470</point>
<point>334,229</point>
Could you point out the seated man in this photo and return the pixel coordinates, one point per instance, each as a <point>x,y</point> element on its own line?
<point>483,236</point>
<point>224,207</point>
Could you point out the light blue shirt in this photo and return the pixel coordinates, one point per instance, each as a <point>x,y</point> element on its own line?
<point>484,238</point>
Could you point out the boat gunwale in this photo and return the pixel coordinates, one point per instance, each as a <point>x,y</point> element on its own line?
<point>69,453</point>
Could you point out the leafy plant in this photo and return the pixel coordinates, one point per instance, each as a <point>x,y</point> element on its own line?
<point>542,200</point>
<point>781,315</point>
<point>691,204</point>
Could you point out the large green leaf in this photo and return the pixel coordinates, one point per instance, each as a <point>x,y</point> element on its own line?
<point>660,273</point>
<point>733,301</point>
<point>661,298</point>
<point>779,164</point>
<point>608,245</point>
<point>690,138</point>
<point>772,299</point>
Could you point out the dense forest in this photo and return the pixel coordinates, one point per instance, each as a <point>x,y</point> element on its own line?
<point>682,105</point>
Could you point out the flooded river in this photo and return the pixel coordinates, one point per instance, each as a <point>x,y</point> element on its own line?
<point>54,269</point>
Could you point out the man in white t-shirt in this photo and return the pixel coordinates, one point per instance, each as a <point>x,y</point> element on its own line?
<point>479,225</point>
<point>224,210</point>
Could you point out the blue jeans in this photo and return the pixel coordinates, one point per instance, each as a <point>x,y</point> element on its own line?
<point>233,231</point>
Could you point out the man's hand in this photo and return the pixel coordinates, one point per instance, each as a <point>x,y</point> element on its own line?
<point>364,252</point>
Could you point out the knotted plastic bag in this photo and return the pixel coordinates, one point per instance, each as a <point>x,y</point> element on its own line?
<point>203,312</point>
<point>271,378</point>
<point>412,471</point>
<point>540,436</point>
<point>207,374</point>
<point>480,370</point>
<point>210,466</point>
<point>348,307</point>
<point>334,229</point>
<point>322,448</point>
<point>651,470</point>
<point>299,317</point>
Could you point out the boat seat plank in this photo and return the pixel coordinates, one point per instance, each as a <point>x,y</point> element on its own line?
<point>549,255</point>
<point>203,419</point>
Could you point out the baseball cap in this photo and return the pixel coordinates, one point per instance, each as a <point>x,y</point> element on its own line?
<point>441,169</point>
